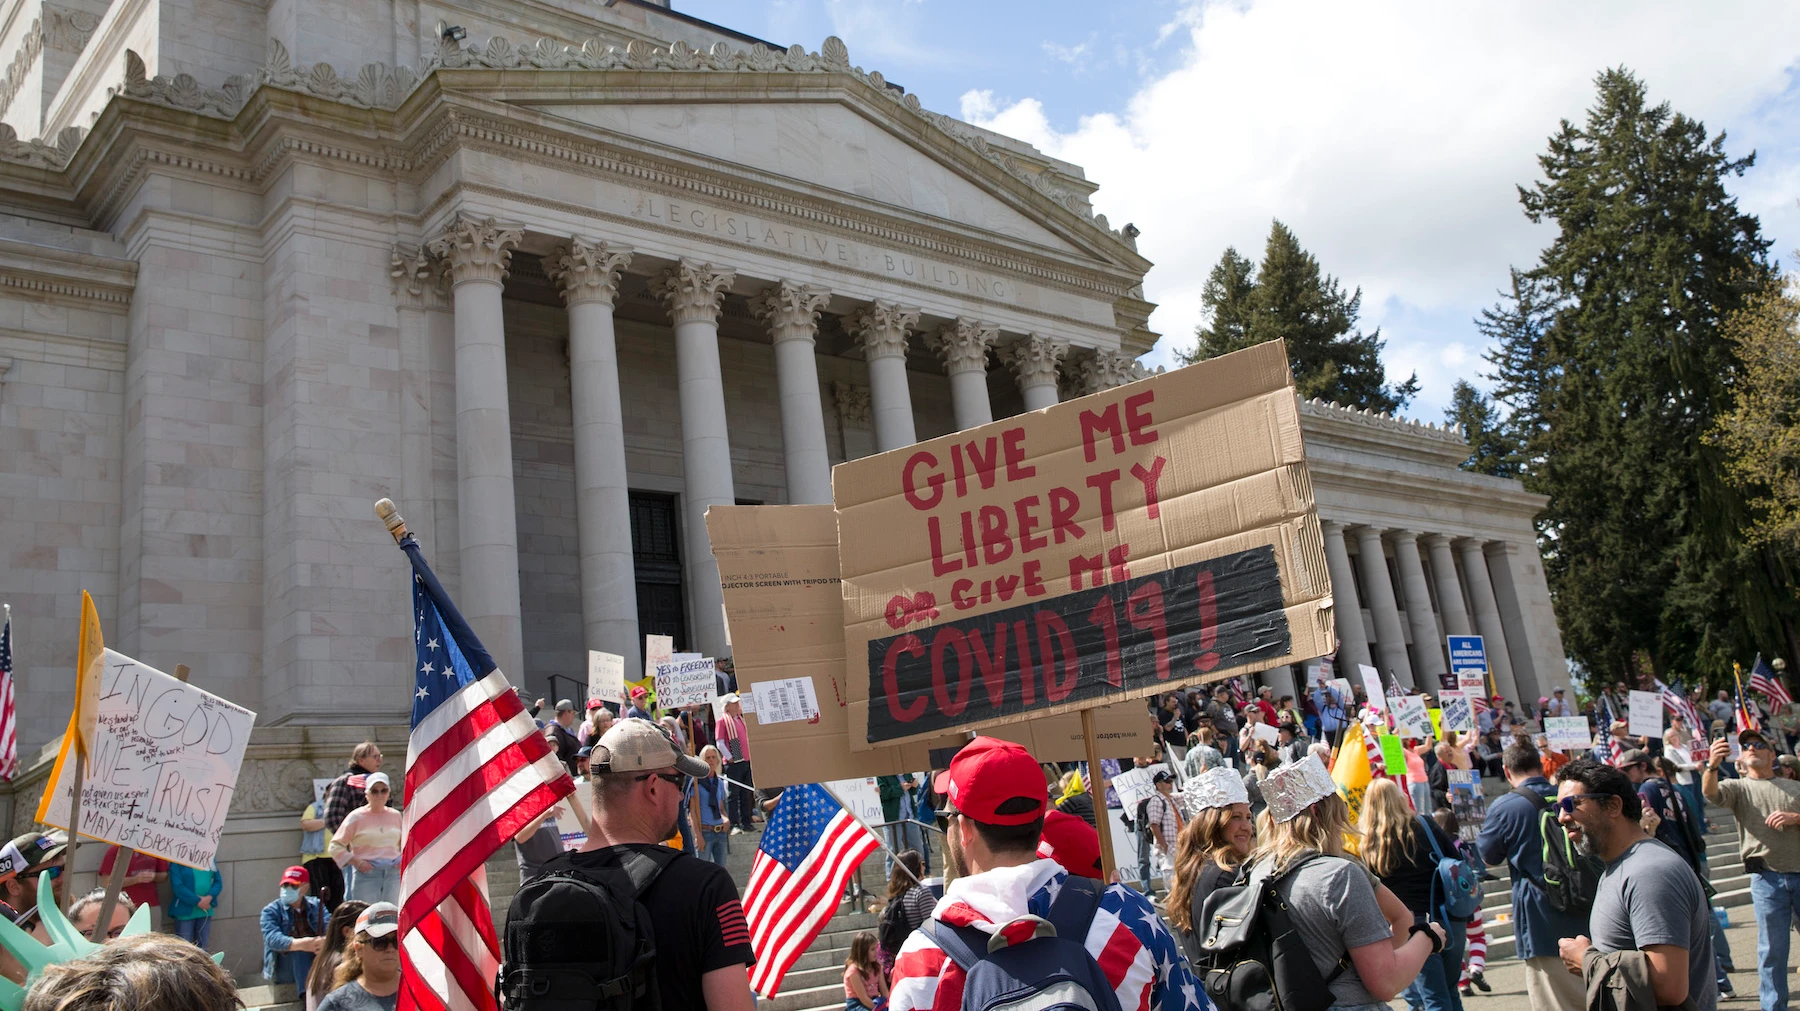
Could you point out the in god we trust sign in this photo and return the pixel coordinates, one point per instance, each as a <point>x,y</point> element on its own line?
<point>1123,544</point>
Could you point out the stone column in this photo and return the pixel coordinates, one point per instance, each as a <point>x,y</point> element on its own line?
<point>588,274</point>
<point>1428,645</point>
<point>1104,370</point>
<point>1035,360</point>
<point>964,345</point>
<point>1504,558</point>
<point>1449,587</point>
<point>792,313</point>
<point>1346,608</point>
<point>478,253</point>
<point>693,292</point>
<point>1390,638</point>
<point>882,327</point>
<point>1487,619</point>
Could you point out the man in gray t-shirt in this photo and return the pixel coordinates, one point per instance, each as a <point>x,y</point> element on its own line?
<point>1648,899</point>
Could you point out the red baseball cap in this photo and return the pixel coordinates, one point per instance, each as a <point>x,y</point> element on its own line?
<point>639,691</point>
<point>989,774</point>
<point>294,876</point>
<point>1071,842</point>
<point>594,704</point>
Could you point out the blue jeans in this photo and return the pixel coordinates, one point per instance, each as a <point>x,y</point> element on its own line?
<point>196,930</point>
<point>1144,842</point>
<point>378,884</point>
<point>1435,989</point>
<point>714,847</point>
<point>1774,896</point>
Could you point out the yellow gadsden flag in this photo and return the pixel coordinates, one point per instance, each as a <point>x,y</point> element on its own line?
<point>90,656</point>
<point>1351,770</point>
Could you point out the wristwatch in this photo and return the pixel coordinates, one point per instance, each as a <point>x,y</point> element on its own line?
<point>1437,943</point>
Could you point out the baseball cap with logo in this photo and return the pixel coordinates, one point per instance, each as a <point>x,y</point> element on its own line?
<point>295,876</point>
<point>995,782</point>
<point>1071,842</point>
<point>379,920</point>
<point>29,851</point>
<point>641,746</point>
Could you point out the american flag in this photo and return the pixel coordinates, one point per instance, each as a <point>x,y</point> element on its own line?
<point>1677,703</point>
<point>809,849</point>
<point>9,717</point>
<point>1746,717</point>
<point>477,771</point>
<point>1611,750</point>
<point>1762,679</point>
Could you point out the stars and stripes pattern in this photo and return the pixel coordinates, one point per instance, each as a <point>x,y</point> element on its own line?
<point>477,771</point>
<point>1677,703</point>
<point>9,716</point>
<point>1138,954</point>
<point>1746,717</point>
<point>1763,679</point>
<point>1611,750</point>
<point>809,849</point>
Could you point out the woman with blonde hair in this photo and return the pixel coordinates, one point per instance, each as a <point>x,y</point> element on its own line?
<point>368,978</point>
<point>1397,848</point>
<point>1333,900</point>
<point>1215,841</point>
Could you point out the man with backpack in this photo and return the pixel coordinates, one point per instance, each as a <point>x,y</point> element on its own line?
<point>986,941</point>
<point>1519,831</point>
<point>626,920</point>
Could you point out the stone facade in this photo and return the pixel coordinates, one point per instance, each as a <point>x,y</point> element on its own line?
<point>264,262</point>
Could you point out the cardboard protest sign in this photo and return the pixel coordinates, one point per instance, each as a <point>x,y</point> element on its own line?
<point>1646,714</point>
<point>1393,754</point>
<point>1108,548</point>
<point>779,569</point>
<point>1472,683</point>
<point>1568,733</point>
<point>570,815</point>
<point>1133,787</point>
<point>686,682</point>
<point>163,768</point>
<point>1468,801</point>
<point>1458,712</point>
<point>606,676</point>
<point>861,797</point>
<point>1371,679</point>
<point>1410,718</point>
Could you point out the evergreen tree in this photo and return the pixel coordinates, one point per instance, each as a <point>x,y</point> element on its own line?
<point>1610,353</point>
<point>1493,450</point>
<point>1289,298</point>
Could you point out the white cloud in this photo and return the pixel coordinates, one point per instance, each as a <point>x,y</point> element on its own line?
<point>1391,136</point>
<point>1071,55</point>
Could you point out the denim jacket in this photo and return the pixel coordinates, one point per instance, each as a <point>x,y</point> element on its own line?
<point>277,923</point>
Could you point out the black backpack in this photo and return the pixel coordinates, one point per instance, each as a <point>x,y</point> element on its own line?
<point>578,937</point>
<point>1251,955</point>
<point>1571,878</point>
<point>892,930</point>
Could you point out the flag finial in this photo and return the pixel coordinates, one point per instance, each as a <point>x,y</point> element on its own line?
<point>390,514</point>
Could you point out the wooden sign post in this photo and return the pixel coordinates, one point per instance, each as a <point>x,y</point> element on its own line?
<point>1096,788</point>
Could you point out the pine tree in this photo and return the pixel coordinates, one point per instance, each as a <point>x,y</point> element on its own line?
<point>1289,298</point>
<point>1493,449</point>
<point>1611,355</point>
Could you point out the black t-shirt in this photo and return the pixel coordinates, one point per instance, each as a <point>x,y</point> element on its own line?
<point>699,924</point>
<point>1411,881</point>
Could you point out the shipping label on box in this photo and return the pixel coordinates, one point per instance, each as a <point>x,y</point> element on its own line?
<point>1108,548</point>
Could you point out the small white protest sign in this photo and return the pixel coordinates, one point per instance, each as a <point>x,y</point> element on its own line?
<point>861,797</point>
<point>1458,715</point>
<point>319,786</point>
<point>1133,786</point>
<point>1472,683</point>
<point>786,700</point>
<point>1411,719</point>
<point>1568,733</point>
<point>1372,686</point>
<point>164,766</point>
<point>657,650</point>
<point>1646,714</point>
<point>606,676</point>
<point>686,682</point>
<point>1264,732</point>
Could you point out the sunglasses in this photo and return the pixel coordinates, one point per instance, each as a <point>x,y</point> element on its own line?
<point>673,779</point>
<point>50,872</point>
<point>1757,746</point>
<point>387,942</point>
<point>1566,805</point>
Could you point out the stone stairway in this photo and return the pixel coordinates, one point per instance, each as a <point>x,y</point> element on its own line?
<point>1728,878</point>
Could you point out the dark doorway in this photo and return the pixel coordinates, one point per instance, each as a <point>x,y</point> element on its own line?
<point>656,552</point>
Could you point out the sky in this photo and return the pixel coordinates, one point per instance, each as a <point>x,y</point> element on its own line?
<point>1390,136</point>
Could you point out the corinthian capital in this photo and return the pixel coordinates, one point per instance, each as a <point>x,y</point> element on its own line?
<point>882,327</point>
<point>964,344</point>
<point>476,250</point>
<point>1036,358</point>
<point>791,310</point>
<point>692,290</point>
<point>418,281</point>
<point>1107,369</point>
<point>587,271</point>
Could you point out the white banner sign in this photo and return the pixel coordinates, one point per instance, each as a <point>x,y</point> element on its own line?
<point>1472,683</point>
<point>1568,733</point>
<point>686,682</point>
<point>657,650</point>
<point>1646,714</point>
<point>606,676</point>
<point>861,797</point>
<point>1411,718</point>
<point>164,766</point>
<point>1458,713</point>
<point>1372,686</point>
<point>1134,786</point>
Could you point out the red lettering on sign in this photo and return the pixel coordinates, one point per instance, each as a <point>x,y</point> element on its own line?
<point>899,612</point>
<point>952,638</point>
<point>958,590</point>
<point>1012,442</point>
<point>910,486</point>
<point>992,665</point>
<point>903,610</point>
<point>1139,424</point>
<point>1034,579</point>
<point>956,466</point>
<point>1056,688</point>
<point>1116,557</point>
<point>1106,421</point>
<point>1005,587</point>
<point>1144,609</point>
<point>1209,622</point>
<point>1089,564</point>
<point>1148,479</point>
<point>1064,504</point>
<point>911,646</point>
<point>985,468</point>
<point>940,565</point>
<point>968,538</point>
<point>1108,620</point>
<point>1027,677</point>
<point>996,546</point>
<point>1027,523</point>
<point>1102,483</point>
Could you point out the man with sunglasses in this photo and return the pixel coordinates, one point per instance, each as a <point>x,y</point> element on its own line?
<point>1648,901</point>
<point>22,861</point>
<point>703,949</point>
<point>1767,809</point>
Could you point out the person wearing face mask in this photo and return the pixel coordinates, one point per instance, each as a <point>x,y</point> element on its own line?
<point>367,844</point>
<point>293,930</point>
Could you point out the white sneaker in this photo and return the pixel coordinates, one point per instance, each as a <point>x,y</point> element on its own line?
<point>736,831</point>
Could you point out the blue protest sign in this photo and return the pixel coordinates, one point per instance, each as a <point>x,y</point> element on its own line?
<point>1467,653</point>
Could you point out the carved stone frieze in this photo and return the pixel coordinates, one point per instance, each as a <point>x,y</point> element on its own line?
<point>790,310</point>
<point>692,291</point>
<point>587,271</point>
<point>853,403</point>
<point>69,31</point>
<point>30,48</point>
<point>476,250</point>
<point>882,327</point>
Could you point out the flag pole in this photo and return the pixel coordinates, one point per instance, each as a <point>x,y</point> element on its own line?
<point>1095,788</point>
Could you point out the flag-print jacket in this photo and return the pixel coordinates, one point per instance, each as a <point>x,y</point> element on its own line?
<point>1141,959</point>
